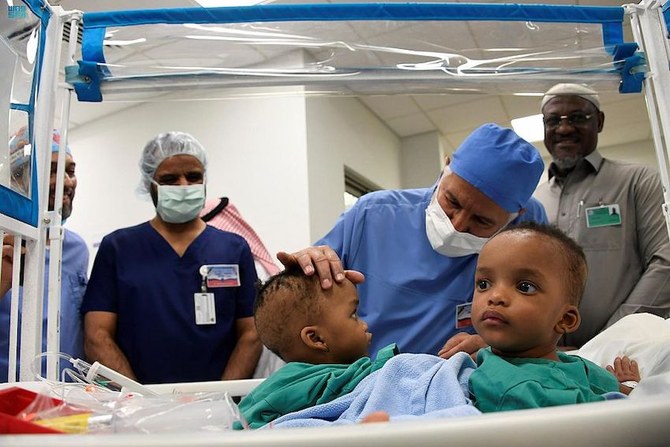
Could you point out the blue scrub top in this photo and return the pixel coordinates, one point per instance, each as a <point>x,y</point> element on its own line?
<point>410,292</point>
<point>74,268</point>
<point>137,275</point>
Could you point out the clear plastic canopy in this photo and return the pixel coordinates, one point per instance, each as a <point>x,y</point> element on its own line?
<point>355,49</point>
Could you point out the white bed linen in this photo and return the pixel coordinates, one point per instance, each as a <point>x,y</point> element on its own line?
<point>644,338</point>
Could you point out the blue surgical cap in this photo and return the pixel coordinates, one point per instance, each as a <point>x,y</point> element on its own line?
<point>499,163</point>
<point>55,143</point>
<point>20,148</point>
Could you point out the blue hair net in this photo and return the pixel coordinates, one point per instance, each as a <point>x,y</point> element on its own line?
<point>499,163</point>
<point>164,146</point>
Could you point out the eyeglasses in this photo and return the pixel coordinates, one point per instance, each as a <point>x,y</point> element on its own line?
<point>576,119</point>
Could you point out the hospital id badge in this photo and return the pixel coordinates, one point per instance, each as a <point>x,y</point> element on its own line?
<point>603,216</point>
<point>205,309</point>
<point>221,275</point>
<point>463,315</point>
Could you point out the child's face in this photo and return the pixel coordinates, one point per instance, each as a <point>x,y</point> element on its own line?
<point>521,295</point>
<point>345,334</point>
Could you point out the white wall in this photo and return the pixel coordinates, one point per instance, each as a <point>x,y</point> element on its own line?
<point>637,152</point>
<point>422,160</point>
<point>257,156</point>
<point>280,161</point>
<point>341,131</point>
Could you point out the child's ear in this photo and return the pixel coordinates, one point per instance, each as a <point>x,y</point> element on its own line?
<point>312,339</point>
<point>570,320</point>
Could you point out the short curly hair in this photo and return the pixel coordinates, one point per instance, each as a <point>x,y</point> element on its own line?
<point>572,253</point>
<point>285,303</point>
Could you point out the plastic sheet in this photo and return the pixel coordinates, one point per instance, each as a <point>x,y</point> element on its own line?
<point>88,410</point>
<point>357,49</point>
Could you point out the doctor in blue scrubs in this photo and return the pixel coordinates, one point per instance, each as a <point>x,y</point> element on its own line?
<point>74,259</point>
<point>414,251</point>
<point>171,299</point>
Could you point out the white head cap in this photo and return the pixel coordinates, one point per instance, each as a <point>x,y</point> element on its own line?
<point>581,90</point>
<point>163,146</point>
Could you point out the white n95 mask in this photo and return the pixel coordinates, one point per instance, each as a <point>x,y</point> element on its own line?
<point>445,239</point>
<point>180,203</point>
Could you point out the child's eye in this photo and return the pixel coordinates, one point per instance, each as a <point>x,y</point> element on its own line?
<point>527,287</point>
<point>482,284</point>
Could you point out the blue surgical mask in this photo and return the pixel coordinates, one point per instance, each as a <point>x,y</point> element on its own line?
<point>180,203</point>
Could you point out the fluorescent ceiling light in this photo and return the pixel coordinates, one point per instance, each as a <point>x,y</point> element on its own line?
<point>217,3</point>
<point>530,128</point>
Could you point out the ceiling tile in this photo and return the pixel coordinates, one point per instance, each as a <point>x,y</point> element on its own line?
<point>431,102</point>
<point>453,115</point>
<point>468,116</point>
<point>411,125</point>
<point>520,106</point>
<point>623,133</point>
<point>387,107</point>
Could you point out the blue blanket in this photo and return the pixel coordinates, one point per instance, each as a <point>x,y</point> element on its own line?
<point>408,386</point>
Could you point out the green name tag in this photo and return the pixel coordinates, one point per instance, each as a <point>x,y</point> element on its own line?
<point>603,216</point>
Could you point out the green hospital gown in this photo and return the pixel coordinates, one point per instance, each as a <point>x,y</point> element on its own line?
<point>505,383</point>
<point>297,385</point>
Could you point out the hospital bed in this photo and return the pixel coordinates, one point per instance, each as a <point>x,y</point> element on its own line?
<point>333,49</point>
<point>617,423</point>
<point>640,420</point>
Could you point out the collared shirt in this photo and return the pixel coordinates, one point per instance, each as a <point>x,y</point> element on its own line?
<point>629,263</point>
<point>411,292</point>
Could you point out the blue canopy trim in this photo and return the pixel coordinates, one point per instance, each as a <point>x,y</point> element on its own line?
<point>362,11</point>
<point>12,203</point>
<point>95,24</point>
<point>631,66</point>
<point>22,107</point>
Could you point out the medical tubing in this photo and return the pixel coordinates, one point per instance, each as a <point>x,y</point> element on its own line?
<point>36,366</point>
<point>99,374</point>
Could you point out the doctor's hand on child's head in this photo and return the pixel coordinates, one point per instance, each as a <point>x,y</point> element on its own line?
<point>323,261</point>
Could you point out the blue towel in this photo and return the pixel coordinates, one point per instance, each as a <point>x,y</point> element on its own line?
<point>408,386</point>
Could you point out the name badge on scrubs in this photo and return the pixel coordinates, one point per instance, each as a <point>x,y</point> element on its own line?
<point>205,310</point>
<point>463,315</point>
<point>603,216</point>
<point>221,275</point>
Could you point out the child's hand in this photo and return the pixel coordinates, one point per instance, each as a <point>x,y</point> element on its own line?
<point>462,342</point>
<point>625,369</point>
<point>377,416</point>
